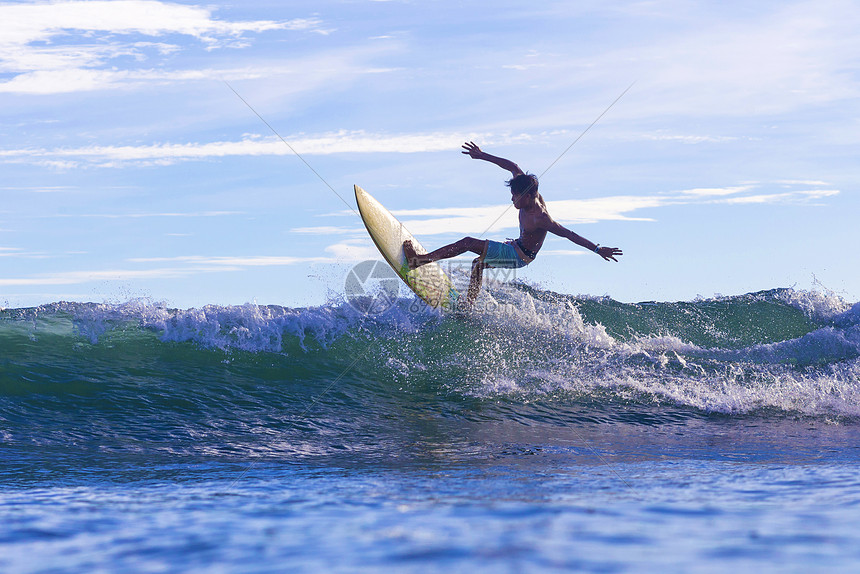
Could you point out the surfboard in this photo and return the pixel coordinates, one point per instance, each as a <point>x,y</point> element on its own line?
<point>429,282</point>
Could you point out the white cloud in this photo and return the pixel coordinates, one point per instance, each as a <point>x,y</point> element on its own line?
<point>23,24</point>
<point>43,189</point>
<point>77,277</point>
<point>716,191</point>
<point>18,253</point>
<point>481,221</point>
<point>42,42</point>
<point>804,196</point>
<point>688,139</point>
<point>241,261</point>
<point>493,219</point>
<point>39,21</point>
<point>187,266</point>
<point>471,222</point>
<point>325,144</point>
<point>313,71</point>
<point>789,182</point>
<point>84,80</point>
<point>614,208</point>
<point>132,215</point>
<point>776,61</point>
<point>326,230</point>
<point>705,61</point>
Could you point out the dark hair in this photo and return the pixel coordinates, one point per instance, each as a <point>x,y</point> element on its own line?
<point>523,183</point>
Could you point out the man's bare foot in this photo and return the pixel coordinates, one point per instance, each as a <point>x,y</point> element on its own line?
<point>412,259</point>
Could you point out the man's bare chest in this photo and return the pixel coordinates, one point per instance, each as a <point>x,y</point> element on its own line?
<point>530,220</point>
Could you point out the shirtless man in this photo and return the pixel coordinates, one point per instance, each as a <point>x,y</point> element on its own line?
<point>535,222</point>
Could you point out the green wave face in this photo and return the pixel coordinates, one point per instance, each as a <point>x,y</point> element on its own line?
<point>281,381</point>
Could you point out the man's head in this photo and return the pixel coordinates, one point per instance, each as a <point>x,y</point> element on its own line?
<point>524,189</point>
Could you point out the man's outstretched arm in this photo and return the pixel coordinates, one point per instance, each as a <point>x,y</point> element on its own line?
<point>608,253</point>
<point>475,152</point>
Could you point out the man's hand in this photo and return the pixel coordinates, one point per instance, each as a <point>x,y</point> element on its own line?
<point>473,150</point>
<point>609,253</point>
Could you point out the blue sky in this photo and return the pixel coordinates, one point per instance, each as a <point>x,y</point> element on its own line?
<point>130,169</point>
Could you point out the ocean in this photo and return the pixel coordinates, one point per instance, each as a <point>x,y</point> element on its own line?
<point>544,432</point>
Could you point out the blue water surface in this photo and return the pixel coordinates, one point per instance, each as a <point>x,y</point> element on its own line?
<point>597,504</point>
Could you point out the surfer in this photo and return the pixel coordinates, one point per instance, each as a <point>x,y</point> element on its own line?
<point>535,222</point>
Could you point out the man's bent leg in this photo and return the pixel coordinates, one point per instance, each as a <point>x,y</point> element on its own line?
<point>475,282</point>
<point>445,252</point>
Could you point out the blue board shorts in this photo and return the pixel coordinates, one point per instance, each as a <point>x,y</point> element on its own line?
<point>502,255</point>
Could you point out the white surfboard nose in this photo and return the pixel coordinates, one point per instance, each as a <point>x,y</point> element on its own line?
<point>429,282</point>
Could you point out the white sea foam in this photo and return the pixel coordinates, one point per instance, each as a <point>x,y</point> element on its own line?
<point>816,304</point>
<point>817,373</point>
<point>249,327</point>
<point>518,311</point>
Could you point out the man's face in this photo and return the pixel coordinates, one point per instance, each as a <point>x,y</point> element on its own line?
<point>521,200</point>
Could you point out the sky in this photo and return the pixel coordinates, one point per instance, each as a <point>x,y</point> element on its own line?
<point>139,154</point>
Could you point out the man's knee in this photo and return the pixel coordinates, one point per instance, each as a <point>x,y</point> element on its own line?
<point>474,245</point>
